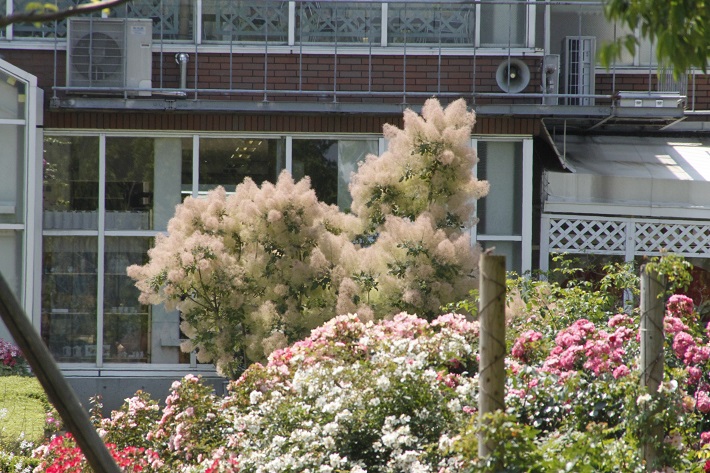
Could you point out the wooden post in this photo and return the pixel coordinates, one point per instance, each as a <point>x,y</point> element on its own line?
<point>652,359</point>
<point>50,377</point>
<point>491,317</point>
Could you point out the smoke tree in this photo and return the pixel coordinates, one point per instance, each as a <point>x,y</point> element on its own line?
<point>257,269</point>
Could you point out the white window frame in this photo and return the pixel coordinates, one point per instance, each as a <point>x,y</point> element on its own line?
<point>525,237</point>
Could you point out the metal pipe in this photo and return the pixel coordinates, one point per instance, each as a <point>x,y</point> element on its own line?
<point>182,59</point>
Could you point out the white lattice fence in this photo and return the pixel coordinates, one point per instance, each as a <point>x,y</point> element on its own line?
<point>679,238</point>
<point>587,236</point>
<point>629,237</point>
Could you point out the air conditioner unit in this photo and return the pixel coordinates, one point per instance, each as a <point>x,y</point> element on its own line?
<point>111,53</point>
<point>579,62</point>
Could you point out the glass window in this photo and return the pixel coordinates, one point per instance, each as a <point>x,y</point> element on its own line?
<point>186,177</point>
<point>512,250</point>
<point>227,20</point>
<point>127,323</point>
<point>500,212</point>
<point>589,20</point>
<point>12,177</point>
<point>431,23</point>
<point>227,161</point>
<point>13,97</point>
<point>344,22</point>
<point>169,172</point>
<point>329,164</point>
<point>505,24</point>
<point>318,159</point>
<point>69,292</point>
<point>11,249</point>
<point>71,182</point>
<point>130,183</point>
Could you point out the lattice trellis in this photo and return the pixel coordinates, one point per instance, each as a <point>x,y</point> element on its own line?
<point>625,236</point>
<point>587,236</point>
<point>653,237</point>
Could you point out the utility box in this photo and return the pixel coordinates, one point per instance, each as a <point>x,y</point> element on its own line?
<point>650,100</point>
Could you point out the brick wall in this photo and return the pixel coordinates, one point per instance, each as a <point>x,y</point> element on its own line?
<point>277,123</point>
<point>373,79</point>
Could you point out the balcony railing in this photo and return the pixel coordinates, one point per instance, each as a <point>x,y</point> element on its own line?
<point>298,21</point>
<point>368,51</point>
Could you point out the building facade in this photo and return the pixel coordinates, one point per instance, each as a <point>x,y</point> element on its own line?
<point>108,122</point>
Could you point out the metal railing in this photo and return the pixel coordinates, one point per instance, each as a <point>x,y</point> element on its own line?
<point>370,30</point>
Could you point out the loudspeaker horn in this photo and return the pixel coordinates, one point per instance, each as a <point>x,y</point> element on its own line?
<point>512,75</point>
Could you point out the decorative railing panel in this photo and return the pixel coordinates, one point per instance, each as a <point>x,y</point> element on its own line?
<point>425,23</point>
<point>679,238</point>
<point>342,22</point>
<point>624,236</point>
<point>246,21</point>
<point>41,30</point>
<point>587,236</point>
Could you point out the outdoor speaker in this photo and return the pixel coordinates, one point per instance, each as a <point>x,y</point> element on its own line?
<point>512,76</point>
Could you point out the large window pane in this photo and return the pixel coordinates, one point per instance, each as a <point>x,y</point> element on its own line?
<point>505,24</point>
<point>129,183</point>
<point>350,153</point>
<point>169,159</point>
<point>126,322</point>
<point>71,182</point>
<point>11,249</point>
<point>586,20</point>
<point>12,177</point>
<point>186,177</point>
<point>512,250</point>
<point>329,164</point>
<point>227,161</point>
<point>13,97</point>
<point>69,297</point>
<point>318,159</point>
<point>500,212</point>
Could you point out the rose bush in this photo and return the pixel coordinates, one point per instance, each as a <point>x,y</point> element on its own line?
<point>400,395</point>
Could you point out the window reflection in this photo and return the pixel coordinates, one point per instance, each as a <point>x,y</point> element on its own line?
<point>127,323</point>
<point>69,265</point>
<point>329,164</point>
<point>129,183</point>
<point>71,182</point>
<point>227,161</point>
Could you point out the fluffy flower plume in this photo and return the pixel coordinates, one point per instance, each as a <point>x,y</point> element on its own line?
<point>258,268</point>
<point>427,168</point>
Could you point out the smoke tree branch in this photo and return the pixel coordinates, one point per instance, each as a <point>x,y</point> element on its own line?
<point>41,16</point>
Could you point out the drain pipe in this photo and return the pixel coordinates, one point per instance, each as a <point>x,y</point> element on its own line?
<point>182,59</point>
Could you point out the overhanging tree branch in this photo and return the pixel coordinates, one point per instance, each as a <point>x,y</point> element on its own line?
<point>42,16</point>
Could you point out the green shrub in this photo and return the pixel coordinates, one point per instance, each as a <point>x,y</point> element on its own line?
<point>11,463</point>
